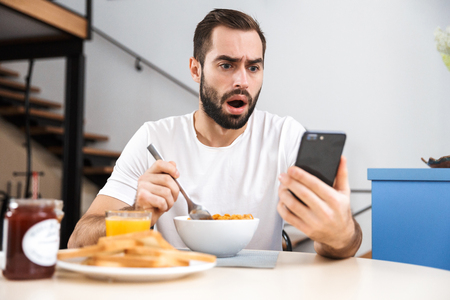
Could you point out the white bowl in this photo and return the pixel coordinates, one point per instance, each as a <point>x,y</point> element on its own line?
<point>222,238</point>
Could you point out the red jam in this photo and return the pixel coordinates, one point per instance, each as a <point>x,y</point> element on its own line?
<point>31,239</point>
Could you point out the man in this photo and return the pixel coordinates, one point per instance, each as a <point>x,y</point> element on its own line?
<point>229,157</point>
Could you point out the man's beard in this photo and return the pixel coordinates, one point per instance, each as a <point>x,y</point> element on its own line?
<point>212,106</point>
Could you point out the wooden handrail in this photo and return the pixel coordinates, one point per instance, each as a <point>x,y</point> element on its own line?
<point>52,14</point>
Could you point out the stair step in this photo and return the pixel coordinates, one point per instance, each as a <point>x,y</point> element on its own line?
<point>17,85</point>
<point>18,97</point>
<point>93,157</point>
<point>87,151</point>
<point>47,127</point>
<point>7,72</point>
<point>98,175</point>
<point>100,152</point>
<point>100,170</point>
<point>17,112</point>
<point>59,131</point>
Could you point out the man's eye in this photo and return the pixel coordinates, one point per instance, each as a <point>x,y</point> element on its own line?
<point>253,68</point>
<point>225,66</point>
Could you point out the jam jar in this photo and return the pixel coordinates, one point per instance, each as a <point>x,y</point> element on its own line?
<point>30,239</point>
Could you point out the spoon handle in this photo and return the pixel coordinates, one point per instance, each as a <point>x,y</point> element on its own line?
<point>158,156</point>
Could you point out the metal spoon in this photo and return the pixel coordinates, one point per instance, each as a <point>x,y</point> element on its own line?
<point>196,212</point>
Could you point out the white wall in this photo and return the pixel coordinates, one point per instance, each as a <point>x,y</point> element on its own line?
<point>369,68</point>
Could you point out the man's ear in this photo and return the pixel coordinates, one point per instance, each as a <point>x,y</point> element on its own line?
<point>195,68</point>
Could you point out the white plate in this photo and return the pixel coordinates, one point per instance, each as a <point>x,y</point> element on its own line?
<point>134,274</point>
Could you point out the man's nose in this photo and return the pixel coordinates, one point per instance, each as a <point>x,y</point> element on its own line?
<point>240,78</point>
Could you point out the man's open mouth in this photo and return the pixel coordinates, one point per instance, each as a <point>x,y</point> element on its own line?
<point>236,103</point>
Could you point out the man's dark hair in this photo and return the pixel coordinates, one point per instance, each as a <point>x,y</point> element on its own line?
<point>222,17</point>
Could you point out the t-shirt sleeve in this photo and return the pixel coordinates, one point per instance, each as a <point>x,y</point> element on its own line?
<point>132,163</point>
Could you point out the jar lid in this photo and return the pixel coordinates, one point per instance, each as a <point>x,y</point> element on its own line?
<point>14,203</point>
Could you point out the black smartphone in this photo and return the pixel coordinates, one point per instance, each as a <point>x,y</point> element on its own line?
<point>320,154</point>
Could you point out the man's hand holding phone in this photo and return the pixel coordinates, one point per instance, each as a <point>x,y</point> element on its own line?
<point>324,212</point>
<point>326,218</point>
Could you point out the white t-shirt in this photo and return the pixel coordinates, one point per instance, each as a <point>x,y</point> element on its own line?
<point>241,178</point>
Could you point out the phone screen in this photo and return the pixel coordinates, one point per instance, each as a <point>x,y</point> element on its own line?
<point>320,154</point>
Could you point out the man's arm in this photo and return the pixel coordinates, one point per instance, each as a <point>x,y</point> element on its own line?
<point>156,192</point>
<point>327,217</point>
<point>92,225</point>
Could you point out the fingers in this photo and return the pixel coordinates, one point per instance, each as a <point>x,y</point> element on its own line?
<point>157,189</point>
<point>326,218</point>
<point>291,210</point>
<point>160,167</point>
<point>304,218</point>
<point>290,218</point>
<point>311,189</point>
<point>307,187</point>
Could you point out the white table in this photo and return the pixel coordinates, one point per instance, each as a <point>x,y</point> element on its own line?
<point>296,276</point>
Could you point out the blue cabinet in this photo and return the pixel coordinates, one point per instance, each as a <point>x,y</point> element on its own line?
<point>411,216</point>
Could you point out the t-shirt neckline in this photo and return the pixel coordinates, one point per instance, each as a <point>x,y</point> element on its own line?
<point>236,141</point>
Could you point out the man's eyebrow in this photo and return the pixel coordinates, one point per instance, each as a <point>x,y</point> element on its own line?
<point>255,61</point>
<point>234,59</point>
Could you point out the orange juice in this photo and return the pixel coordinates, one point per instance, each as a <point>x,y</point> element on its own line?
<point>116,225</point>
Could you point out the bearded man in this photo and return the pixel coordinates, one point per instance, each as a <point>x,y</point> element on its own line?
<point>230,157</point>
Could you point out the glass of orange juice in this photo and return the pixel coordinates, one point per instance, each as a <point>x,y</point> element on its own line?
<point>122,221</point>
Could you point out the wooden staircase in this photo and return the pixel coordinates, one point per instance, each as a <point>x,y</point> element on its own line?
<point>42,29</point>
<point>46,126</point>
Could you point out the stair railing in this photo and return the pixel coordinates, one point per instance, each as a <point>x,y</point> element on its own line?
<point>139,59</point>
